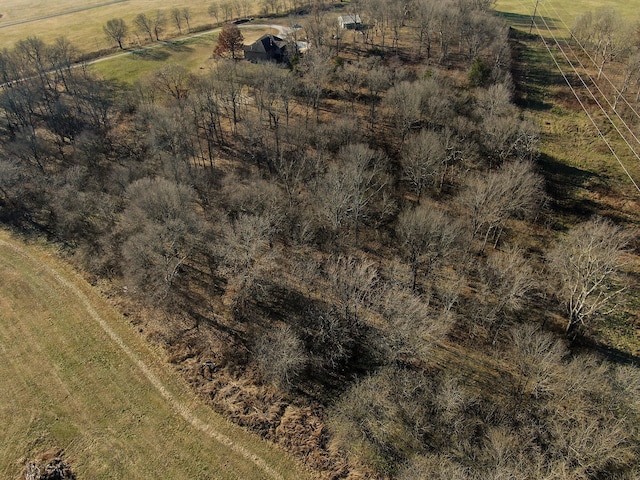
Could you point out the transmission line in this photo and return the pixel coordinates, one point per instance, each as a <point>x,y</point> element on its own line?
<point>615,89</point>
<point>593,96</point>
<point>600,133</point>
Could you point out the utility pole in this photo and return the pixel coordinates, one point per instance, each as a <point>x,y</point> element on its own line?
<point>535,10</point>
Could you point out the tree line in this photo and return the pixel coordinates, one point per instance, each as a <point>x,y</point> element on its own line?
<point>355,235</point>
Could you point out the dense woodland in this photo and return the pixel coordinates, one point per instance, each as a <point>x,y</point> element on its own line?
<point>355,256</point>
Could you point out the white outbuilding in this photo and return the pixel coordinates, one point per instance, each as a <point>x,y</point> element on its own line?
<point>350,22</point>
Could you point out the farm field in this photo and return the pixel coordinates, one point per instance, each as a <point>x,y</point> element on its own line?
<point>82,22</point>
<point>75,375</point>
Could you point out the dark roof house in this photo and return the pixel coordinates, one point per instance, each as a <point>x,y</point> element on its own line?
<point>267,48</point>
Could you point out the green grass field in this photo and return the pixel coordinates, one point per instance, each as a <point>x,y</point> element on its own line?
<point>193,54</point>
<point>75,375</point>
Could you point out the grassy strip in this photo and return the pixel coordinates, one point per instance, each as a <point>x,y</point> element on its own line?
<point>65,383</point>
<point>583,177</point>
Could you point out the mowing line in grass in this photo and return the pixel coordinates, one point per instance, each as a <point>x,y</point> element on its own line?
<point>108,410</point>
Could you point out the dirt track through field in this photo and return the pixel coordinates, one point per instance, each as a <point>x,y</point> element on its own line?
<point>179,407</point>
<point>59,14</point>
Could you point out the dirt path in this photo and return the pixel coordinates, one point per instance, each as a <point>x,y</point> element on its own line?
<point>180,408</point>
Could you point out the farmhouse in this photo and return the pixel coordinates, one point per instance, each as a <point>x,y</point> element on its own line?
<point>267,48</point>
<point>350,22</point>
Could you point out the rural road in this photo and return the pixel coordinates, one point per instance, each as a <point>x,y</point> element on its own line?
<point>281,30</point>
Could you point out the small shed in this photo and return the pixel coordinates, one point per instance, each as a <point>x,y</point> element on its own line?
<point>350,22</point>
<point>268,48</point>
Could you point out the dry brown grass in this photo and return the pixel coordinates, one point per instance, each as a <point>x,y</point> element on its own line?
<point>84,28</point>
<point>115,407</point>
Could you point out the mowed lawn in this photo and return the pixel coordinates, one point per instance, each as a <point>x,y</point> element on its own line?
<point>192,53</point>
<point>74,374</point>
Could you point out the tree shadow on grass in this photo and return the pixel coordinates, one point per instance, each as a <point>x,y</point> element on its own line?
<point>533,71</point>
<point>563,185</point>
<point>153,54</point>
<point>518,20</point>
<point>179,46</point>
<point>615,355</point>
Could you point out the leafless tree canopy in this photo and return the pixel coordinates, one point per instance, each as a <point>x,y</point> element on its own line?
<point>361,238</point>
<point>116,29</point>
<point>588,264</point>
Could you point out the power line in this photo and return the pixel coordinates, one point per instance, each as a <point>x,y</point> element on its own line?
<point>615,89</point>
<point>593,96</point>
<point>583,106</point>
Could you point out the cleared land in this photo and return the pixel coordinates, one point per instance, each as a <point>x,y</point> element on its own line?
<point>191,53</point>
<point>582,175</point>
<point>560,13</point>
<point>75,375</point>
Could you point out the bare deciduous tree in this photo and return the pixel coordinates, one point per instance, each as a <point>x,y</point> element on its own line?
<point>116,29</point>
<point>176,16</point>
<point>160,230</point>
<point>173,80</point>
<point>159,23</point>
<point>536,356</point>
<point>214,11</point>
<point>144,25</point>
<point>427,236</point>
<point>412,328</point>
<point>315,68</point>
<point>351,77</point>
<point>227,82</point>
<point>186,16</point>
<point>280,356</point>
<point>404,102</point>
<point>332,336</point>
<point>630,78</point>
<point>507,280</point>
<point>513,191</point>
<point>353,282</point>
<point>604,33</point>
<point>587,264</point>
<point>377,80</point>
<point>380,419</point>
<point>423,160</point>
<point>349,190</point>
<point>433,467</point>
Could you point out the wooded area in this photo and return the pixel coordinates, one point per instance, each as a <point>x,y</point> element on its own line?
<point>360,244</point>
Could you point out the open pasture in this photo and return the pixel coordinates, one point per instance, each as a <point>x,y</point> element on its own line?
<point>75,375</point>
<point>82,22</point>
<point>560,14</point>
